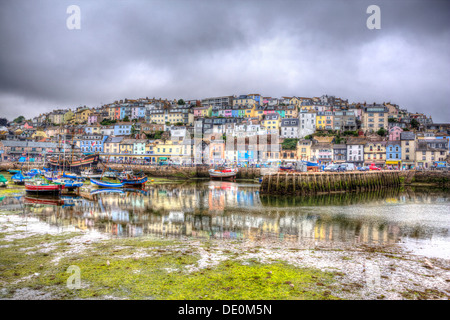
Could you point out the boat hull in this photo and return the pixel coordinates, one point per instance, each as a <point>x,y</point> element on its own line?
<point>43,189</point>
<point>229,174</point>
<point>134,182</point>
<point>104,184</point>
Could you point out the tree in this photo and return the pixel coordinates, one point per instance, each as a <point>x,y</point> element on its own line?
<point>19,119</point>
<point>392,120</point>
<point>415,124</point>
<point>289,144</point>
<point>3,122</point>
<point>382,132</point>
<point>181,102</point>
<point>126,119</point>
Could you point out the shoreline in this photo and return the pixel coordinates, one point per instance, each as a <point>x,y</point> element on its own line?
<point>35,258</point>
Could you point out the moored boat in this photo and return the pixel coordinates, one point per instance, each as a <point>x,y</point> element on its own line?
<point>42,187</point>
<point>90,173</point>
<point>223,173</point>
<point>106,184</point>
<point>134,181</point>
<point>3,181</point>
<point>20,179</point>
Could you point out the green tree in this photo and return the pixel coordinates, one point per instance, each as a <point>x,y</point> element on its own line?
<point>181,102</point>
<point>289,144</point>
<point>126,119</point>
<point>415,124</point>
<point>19,119</point>
<point>382,132</point>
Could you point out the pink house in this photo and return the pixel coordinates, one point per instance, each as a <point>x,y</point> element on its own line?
<point>92,118</point>
<point>394,133</point>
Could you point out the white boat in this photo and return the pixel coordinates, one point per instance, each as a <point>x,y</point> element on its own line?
<point>89,173</point>
<point>223,173</point>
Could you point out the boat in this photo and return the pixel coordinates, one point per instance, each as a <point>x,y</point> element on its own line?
<point>90,173</point>
<point>223,173</point>
<point>134,181</point>
<point>85,160</point>
<point>3,181</point>
<point>13,171</point>
<point>43,187</point>
<point>124,174</point>
<point>111,173</point>
<point>19,178</point>
<point>33,172</point>
<point>68,184</point>
<point>285,168</point>
<point>106,184</point>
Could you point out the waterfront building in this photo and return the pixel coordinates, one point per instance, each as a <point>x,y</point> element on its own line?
<point>304,149</point>
<point>375,152</point>
<point>355,151</point>
<point>394,154</point>
<point>339,153</point>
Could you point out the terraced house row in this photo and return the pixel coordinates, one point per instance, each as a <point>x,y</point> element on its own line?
<point>326,129</point>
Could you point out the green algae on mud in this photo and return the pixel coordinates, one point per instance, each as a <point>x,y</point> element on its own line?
<point>110,268</point>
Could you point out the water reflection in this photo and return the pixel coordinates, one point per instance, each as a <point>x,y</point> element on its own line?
<point>237,211</point>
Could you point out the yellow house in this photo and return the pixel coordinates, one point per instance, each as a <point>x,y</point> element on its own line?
<point>291,111</point>
<point>164,151</point>
<point>271,122</point>
<point>304,149</point>
<point>39,135</point>
<point>375,152</point>
<point>320,121</point>
<point>82,115</point>
<point>126,146</point>
<point>68,116</point>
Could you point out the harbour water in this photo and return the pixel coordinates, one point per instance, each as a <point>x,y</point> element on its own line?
<point>417,220</point>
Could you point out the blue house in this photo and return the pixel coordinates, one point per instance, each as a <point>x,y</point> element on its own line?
<point>394,154</point>
<point>122,129</point>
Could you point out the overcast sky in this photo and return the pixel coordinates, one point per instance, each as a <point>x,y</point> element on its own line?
<point>196,49</point>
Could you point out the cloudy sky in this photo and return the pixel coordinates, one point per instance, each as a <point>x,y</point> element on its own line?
<point>194,49</point>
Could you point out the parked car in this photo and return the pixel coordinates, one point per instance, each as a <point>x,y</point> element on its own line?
<point>373,167</point>
<point>331,168</point>
<point>349,166</point>
<point>363,168</point>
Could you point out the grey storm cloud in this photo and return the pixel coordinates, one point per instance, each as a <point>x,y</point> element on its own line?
<point>194,49</point>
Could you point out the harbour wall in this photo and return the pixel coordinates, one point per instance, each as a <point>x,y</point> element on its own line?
<point>328,182</point>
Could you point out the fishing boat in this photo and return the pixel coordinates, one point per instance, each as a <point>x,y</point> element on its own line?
<point>134,181</point>
<point>105,184</point>
<point>33,172</point>
<point>90,173</point>
<point>42,187</point>
<point>3,181</point>
<point>124,174</point>
<point>20,179</point>
<point>68,184</point>
<point>111,173</point>
<point>223,173</point>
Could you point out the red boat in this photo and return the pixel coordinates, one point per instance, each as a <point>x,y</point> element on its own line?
<point>41,187</point>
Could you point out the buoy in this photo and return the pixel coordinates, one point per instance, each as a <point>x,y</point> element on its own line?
<point>152,180</point>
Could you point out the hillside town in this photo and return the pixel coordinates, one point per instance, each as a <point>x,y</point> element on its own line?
<point>245,130</point>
